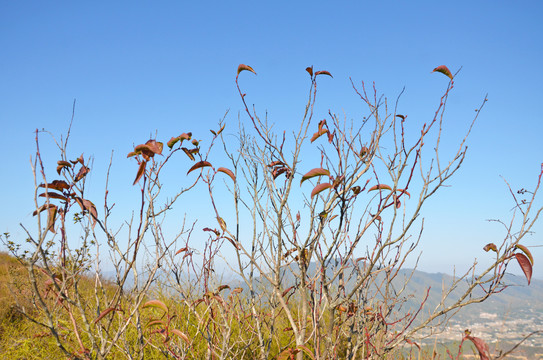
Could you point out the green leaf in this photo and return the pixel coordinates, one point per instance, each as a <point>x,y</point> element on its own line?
<point>444,70</point>
<point>313,173</point>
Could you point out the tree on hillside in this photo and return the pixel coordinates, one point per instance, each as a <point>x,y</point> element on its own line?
<point>319,245</point>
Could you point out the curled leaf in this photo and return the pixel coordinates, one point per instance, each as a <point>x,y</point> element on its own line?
<point>105,312</point>
<point>181,250</point>
<point>401,116</point>
<point>227,172</point>
<point>319,134</point>
<point>380,187</point>
<point>174,140</point>
<point>87,205</point>
<point>62,164</point>
<point>309,69</point>
<point>323,72</point>
<point>287,291</point>
<point>141,171</point>
<point>481,346</point>
<point>525,250</point>
<point>52,195</point>
<point>490,246</point>
<point>51,217</point>
<point>42,208</point>
<point>222,223</point>
<point>156,322</point>
<point>156,303</point>
<point>315,172</point>
<point>404,192</point>
<point>242,67</point>
<point>216,232</point>
<point>525,265</point>
<point>444,70</point>
<point>181,335</point>
<point>188,153</point>
<point>58,185</point>
<point>319,188</point>
<point>82,173</point>
<point>198,165</point>
<point>222,287</point>
<point>221,129</point>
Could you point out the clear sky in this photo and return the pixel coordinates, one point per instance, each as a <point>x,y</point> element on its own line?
<point>137,68</point>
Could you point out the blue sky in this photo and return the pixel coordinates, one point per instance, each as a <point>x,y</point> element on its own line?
<point>137,68</point>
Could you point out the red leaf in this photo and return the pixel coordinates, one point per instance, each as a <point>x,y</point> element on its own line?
<point>181,335</point>
<point>490,246</point>
<point>198,165</point>
<point>58,185</point>
<point>309,69</point>
<point>43,207</point>
<point>276,163</point>
<point>404,192</point>
<point>51,217</point>
<point>62,164</point>
<point>320,188</point>
<point>221,129</point>
<point>287,291</point>
<point>104,313</point>
<point>481,346</point>
<point>52,195</point>
<point>189,154</point>
<point>174,140</point>
<point>318,134</point>
<point>236,245</point>
<point>444,70</point>
<point>525,265</point>
<point>380,187</point>
<point>155,146</point>
<point>525,250</point>
<point>82,173</point>
<point>242,67</point>
<point>313,173</point>
<point>157,304</point>
<point>87,205</point>
<point>323,72</point>
<point>141,171</point>
<point>222,287</point>
<point>227,172</point>
<point>181,250</point>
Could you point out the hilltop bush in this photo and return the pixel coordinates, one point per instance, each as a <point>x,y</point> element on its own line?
<point>316,247</point>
